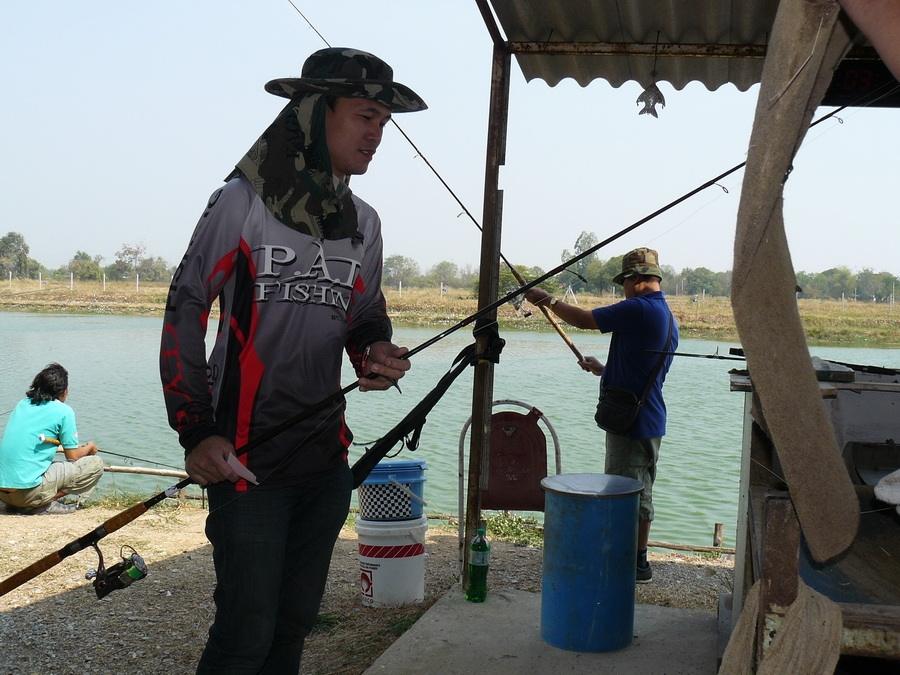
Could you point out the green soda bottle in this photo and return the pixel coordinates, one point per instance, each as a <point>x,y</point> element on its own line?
<point>479,558</point>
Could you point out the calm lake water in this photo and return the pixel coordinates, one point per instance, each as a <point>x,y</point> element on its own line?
<point>115,390</point>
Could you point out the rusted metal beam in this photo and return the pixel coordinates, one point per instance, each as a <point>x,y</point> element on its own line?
<point>483,387</point>
<point>490,23</point>
<point>699,50</point>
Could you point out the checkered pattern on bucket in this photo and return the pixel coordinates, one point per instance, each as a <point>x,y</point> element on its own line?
<point>385,502</point>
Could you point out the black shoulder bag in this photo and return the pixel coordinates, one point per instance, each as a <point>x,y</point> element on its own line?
<point>618,408</point>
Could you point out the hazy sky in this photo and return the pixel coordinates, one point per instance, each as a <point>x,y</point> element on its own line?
<point>120,118</point>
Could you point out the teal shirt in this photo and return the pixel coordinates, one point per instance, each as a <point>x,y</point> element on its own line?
<point>23,457</point>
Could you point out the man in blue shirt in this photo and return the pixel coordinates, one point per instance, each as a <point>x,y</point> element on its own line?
<point>642,326</point>
<point>41,424</point>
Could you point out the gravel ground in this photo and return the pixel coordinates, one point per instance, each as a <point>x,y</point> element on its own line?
<point>54,623</point>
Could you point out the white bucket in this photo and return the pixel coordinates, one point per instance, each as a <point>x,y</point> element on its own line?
<point>392,561</point>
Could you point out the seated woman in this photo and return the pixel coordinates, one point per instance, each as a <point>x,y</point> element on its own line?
<point>40,424</point>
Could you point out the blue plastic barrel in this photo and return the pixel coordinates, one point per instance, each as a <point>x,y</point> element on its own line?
<point>590,554</point>
<point>393,491</point>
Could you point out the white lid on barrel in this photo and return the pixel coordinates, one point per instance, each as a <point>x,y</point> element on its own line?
<point>591,485</point>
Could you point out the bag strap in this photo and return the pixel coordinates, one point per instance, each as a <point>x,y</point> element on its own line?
<point>659,364</point>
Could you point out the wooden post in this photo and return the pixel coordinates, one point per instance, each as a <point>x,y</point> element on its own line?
<point>483,386</point>
<point>780,562</point>
<point>717,534</point>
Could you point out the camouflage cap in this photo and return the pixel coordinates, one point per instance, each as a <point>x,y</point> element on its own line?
<point>639,261</point>
<point>341,71</point>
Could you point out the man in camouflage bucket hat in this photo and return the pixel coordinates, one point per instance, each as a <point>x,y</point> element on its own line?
<point>340,71</point>
<point>294,259</point>
<point>642,325</point>
<point>643,261</point>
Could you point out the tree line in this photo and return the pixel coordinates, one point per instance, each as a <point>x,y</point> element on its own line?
<point>130,260</point>
<point>592,274</point>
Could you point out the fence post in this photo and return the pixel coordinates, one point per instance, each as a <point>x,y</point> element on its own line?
<point>71,281</point>
<point>717,534</point>
<point>137,281</point>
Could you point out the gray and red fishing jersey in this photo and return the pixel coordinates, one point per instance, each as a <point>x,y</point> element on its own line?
<point>289,305</point>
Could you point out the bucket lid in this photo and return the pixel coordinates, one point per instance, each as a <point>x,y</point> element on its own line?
<point>400,465</point>
<point>592,484</point>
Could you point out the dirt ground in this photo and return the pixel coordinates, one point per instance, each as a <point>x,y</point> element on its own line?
<point>54,623</point>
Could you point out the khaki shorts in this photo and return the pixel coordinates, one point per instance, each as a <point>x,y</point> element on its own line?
<point>73,478</point>
<point>634,458</point>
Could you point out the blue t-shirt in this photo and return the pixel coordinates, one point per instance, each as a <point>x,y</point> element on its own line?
<point>639,324</point>
<point>24,458</point>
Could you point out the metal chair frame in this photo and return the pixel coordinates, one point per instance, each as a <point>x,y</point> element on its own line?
<point>462,463</point>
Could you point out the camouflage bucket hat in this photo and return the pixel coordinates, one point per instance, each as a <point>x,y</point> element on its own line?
<point>341,71</point>
<point>639,261</point>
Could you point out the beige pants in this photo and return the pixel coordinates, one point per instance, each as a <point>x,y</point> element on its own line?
<point>72,478</point>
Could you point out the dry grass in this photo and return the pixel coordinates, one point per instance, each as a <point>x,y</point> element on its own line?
<point>832,322</point>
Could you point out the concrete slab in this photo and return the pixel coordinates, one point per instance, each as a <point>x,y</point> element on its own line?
<point>503,636</point>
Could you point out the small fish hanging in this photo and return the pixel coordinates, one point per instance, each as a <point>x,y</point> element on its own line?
<point>651,97</point>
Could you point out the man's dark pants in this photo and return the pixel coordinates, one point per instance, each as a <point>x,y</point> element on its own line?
<point>272,549</point>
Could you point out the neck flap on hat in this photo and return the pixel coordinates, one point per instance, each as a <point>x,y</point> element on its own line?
<point>290,169</point>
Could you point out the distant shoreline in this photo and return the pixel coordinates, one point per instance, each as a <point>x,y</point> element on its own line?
<point>827,322</point>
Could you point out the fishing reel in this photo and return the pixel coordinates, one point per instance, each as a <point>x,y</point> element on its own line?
<point>121,575</point>
<point>517,303</point>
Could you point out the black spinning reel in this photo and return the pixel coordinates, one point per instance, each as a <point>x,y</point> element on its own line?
<point>121,575</point>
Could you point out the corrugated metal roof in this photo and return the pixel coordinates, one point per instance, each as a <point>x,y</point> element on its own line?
<point>647,22</point>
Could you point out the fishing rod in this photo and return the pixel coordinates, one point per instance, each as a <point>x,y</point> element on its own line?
<point>516,303</point>
<point>55,441</point>
<point>697,356</point>
<point>105,580</point>
<point>141,459</point>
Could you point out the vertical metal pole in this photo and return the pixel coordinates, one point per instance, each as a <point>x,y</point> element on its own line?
<point>488,283</point>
